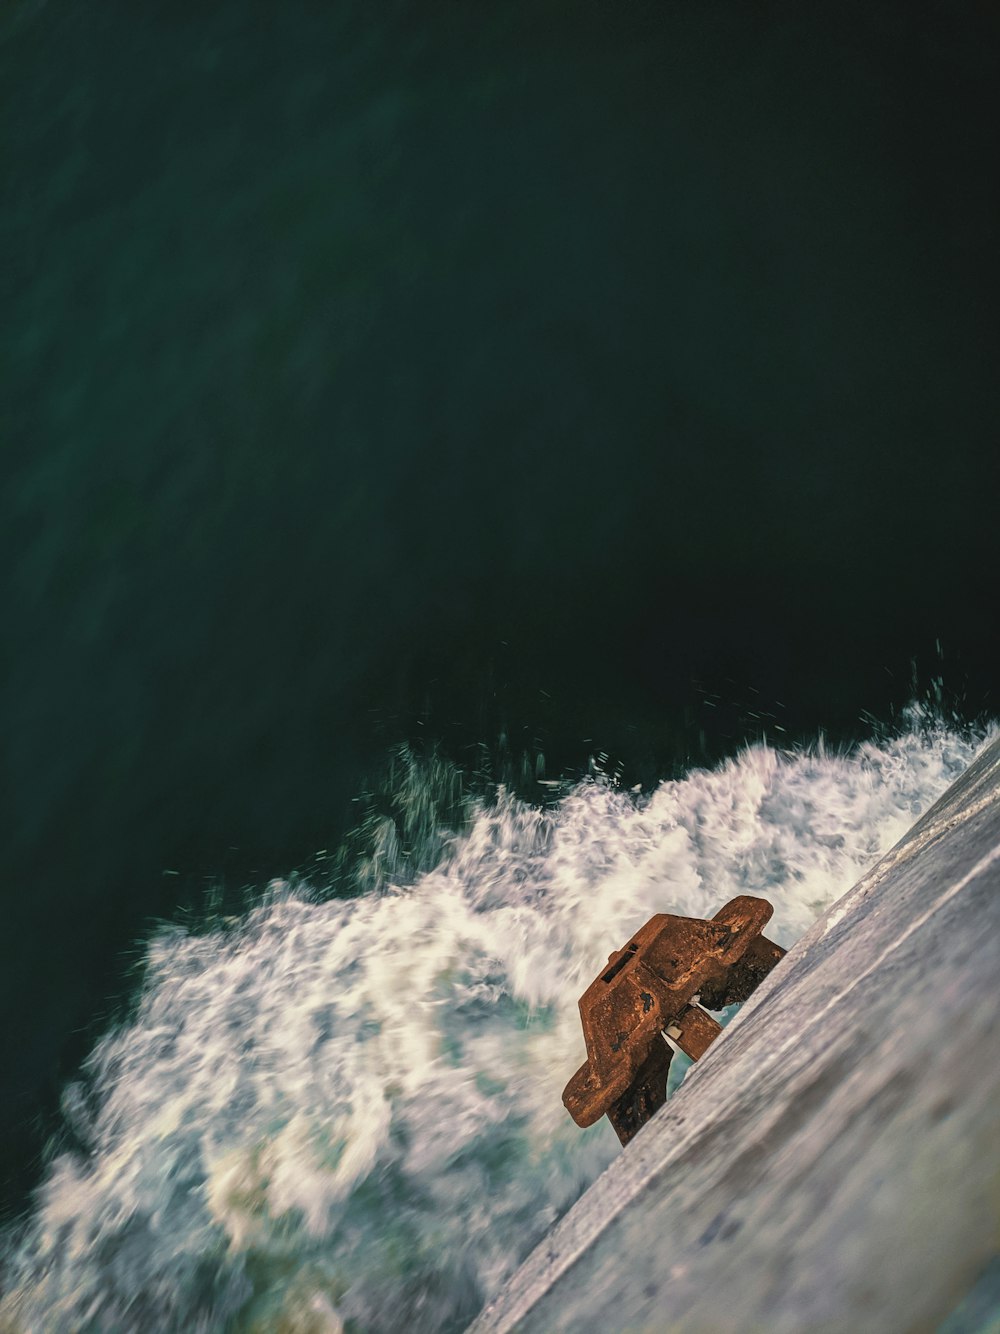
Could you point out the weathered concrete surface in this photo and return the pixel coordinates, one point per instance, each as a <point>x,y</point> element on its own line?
<point>833,1163</point>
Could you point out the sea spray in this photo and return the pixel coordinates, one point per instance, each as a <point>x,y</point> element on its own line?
<point>345,1113</point>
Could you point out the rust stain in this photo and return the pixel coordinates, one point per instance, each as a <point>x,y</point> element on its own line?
<point>650,987</point>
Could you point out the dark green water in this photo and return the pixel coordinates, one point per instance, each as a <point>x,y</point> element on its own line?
<point>610,376</point>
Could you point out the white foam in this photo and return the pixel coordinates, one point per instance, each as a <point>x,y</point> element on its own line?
<point>349,1111</point>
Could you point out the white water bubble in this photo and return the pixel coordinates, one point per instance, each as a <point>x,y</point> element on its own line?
<point>347,1114</point>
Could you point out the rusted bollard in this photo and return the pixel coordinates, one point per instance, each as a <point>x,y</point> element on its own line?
<point>651,988</point>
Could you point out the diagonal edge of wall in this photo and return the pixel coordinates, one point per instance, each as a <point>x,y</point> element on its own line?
<point>834,1161</point>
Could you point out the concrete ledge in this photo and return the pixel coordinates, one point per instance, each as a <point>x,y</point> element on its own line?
<point>834,1161</point>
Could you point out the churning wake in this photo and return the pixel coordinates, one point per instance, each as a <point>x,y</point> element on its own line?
<point>345,1114</point>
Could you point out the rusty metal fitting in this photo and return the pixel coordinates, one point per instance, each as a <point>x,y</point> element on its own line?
<point>655,988</point>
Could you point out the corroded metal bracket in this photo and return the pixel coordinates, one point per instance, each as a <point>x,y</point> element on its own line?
<point>652,987</point>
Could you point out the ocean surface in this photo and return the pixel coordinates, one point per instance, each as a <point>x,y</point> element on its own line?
<point>330,1114</point>
<point>403,403</point>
